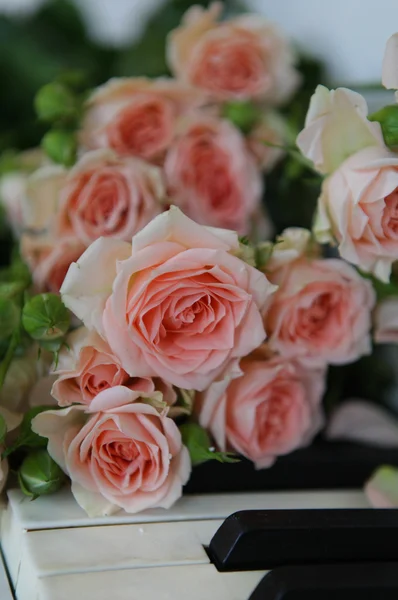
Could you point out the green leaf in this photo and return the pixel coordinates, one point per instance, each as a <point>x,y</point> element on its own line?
<point>3,429</point>
<point>383,290</point>
<point>28,438</point>
<point>198,442</point>
<point>9,317</point>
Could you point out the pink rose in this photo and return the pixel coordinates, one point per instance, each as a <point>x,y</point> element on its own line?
<point>386,321</point>
<point>104,195</point>
<point>212,176</point>
<point>177,304</point>
<point>273,408</point>
<point>321,312</point>
<point>359,208</point>
<point>245,57</point>
<point>119,452</point>
<point>86,366</point>
<point>136,116</point>
<point>48,260</point>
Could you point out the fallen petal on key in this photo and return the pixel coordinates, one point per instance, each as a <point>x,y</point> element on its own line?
<point>382,488</point>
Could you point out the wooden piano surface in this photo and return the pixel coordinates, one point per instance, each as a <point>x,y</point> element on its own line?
<point>55,552</point>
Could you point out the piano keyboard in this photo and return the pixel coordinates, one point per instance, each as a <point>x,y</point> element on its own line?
<point>54,551</point>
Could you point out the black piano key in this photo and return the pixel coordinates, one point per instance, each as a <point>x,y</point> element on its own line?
<point>263,539</point>
<point>323,465</point>
<point>361,581</point>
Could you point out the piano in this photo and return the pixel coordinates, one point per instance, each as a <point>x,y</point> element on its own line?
<point>255,538</point>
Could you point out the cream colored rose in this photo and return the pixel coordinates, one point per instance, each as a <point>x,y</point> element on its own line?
<point>336,127</point>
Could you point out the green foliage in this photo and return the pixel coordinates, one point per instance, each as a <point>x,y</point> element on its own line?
<point>198,442</point>
<point>292,188</point>
<point>388,119</point>
<point>50,44</point>
<point>244,115</point>
<point>9,317</point>
<point>3,429</point>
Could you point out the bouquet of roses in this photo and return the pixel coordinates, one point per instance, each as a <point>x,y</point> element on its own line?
<point>169,330</point>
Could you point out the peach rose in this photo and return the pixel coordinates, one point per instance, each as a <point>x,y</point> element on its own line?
<point>86,366</point>
<point>176,304</point>
<point>246,57</point>
<point>386,321</point>
<point>49,261</point>
<point>120,452</point>
<point>337,127</point>
<point>358,207</point>
<point>212,176</point>
<point>273,408</point>
<point>136,116</point>
<point>321,312</point>
<point>102,195</point>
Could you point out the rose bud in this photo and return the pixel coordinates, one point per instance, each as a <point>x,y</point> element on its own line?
<point>39,474</point>
<point>55,101</point>
<point>45,318</point>
<point>244,115</point>
<point>60,146</point>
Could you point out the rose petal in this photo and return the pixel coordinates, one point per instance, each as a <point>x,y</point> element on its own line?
<point>363,422</point>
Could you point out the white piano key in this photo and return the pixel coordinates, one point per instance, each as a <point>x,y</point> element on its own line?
<point>61,510</point>
<point>5,590</point>
<point>81,549</point>
<point>198,582</point>
<point>48,541</point>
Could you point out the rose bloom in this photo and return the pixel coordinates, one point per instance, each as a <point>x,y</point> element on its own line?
<point>245,57</point>
<point>176,304</point>
<point>336,127</point>
<point>212,176</point>
<point>86,366</point>
<point>136,116</point>
<point>358,207</point>
<point>49,260</point>
<point>386,321</point>
<point>321,313</point>
<point>120,452</point>
<point>269,408</point>
<point>102,195</point>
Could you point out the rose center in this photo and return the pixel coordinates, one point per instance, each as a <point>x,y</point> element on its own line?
<point>142,129</point>
<point>233,67</point>
<point>390,216</point>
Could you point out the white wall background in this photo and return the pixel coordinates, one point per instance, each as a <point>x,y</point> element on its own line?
<point>349,35</point>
